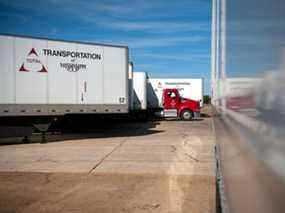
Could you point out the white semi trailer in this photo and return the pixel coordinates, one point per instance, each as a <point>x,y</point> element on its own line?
<point>52,77</point>
<point>190,88</point>
<point>140,91</point>
<point>42,80</point>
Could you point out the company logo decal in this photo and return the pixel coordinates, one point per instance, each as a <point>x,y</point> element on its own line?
<point>177,83</point>
<point>33,63</point>
<point>70,61</point>
<point>74,56</point>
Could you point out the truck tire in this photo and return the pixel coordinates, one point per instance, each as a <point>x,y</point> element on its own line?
<point>186,115</point>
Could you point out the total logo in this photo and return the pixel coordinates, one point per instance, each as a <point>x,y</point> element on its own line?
<point>159,85</point>
<point>33,63</point>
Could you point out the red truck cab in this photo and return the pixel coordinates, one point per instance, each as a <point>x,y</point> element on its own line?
<point>176,106</point>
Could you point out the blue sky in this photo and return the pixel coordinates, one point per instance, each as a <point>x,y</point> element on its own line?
<point>166,38</point>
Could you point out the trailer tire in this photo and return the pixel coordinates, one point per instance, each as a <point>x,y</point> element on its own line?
<point>186,115</point>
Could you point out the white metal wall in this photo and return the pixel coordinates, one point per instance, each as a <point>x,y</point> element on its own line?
<point>115,75</point>
<point>101,81</point>
<point>140,91</point>
<point>62,84</point>
<point>90,83</point>
<point>7,79</point>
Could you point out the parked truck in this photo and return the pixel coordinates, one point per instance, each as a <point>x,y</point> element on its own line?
<point>169,104</point>
<point>174,105</point>
<point>189,88</point>
<point>43,80</point>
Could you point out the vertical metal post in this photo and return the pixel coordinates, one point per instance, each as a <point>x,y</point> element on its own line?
<point>213,51</point>
<point>223,32</point>
<point>44,140</point>
<point>218,61</point>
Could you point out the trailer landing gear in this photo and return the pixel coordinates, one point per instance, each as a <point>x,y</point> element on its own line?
<point>25,139</point>
<point>43,127</point>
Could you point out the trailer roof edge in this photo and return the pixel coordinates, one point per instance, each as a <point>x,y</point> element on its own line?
<point>63,40</point>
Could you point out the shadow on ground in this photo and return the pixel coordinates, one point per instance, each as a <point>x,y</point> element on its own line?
<point>86,130</point>
<point>205,115</point>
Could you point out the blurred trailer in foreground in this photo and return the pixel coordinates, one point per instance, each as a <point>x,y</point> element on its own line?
<point>248,74</point>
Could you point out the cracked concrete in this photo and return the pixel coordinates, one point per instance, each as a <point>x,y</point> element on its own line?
<point>165,166</point>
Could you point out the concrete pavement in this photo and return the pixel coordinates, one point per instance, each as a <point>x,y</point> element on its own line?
<point>162,166</point>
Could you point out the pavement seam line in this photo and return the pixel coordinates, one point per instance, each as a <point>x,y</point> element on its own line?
<point>107,155</point>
